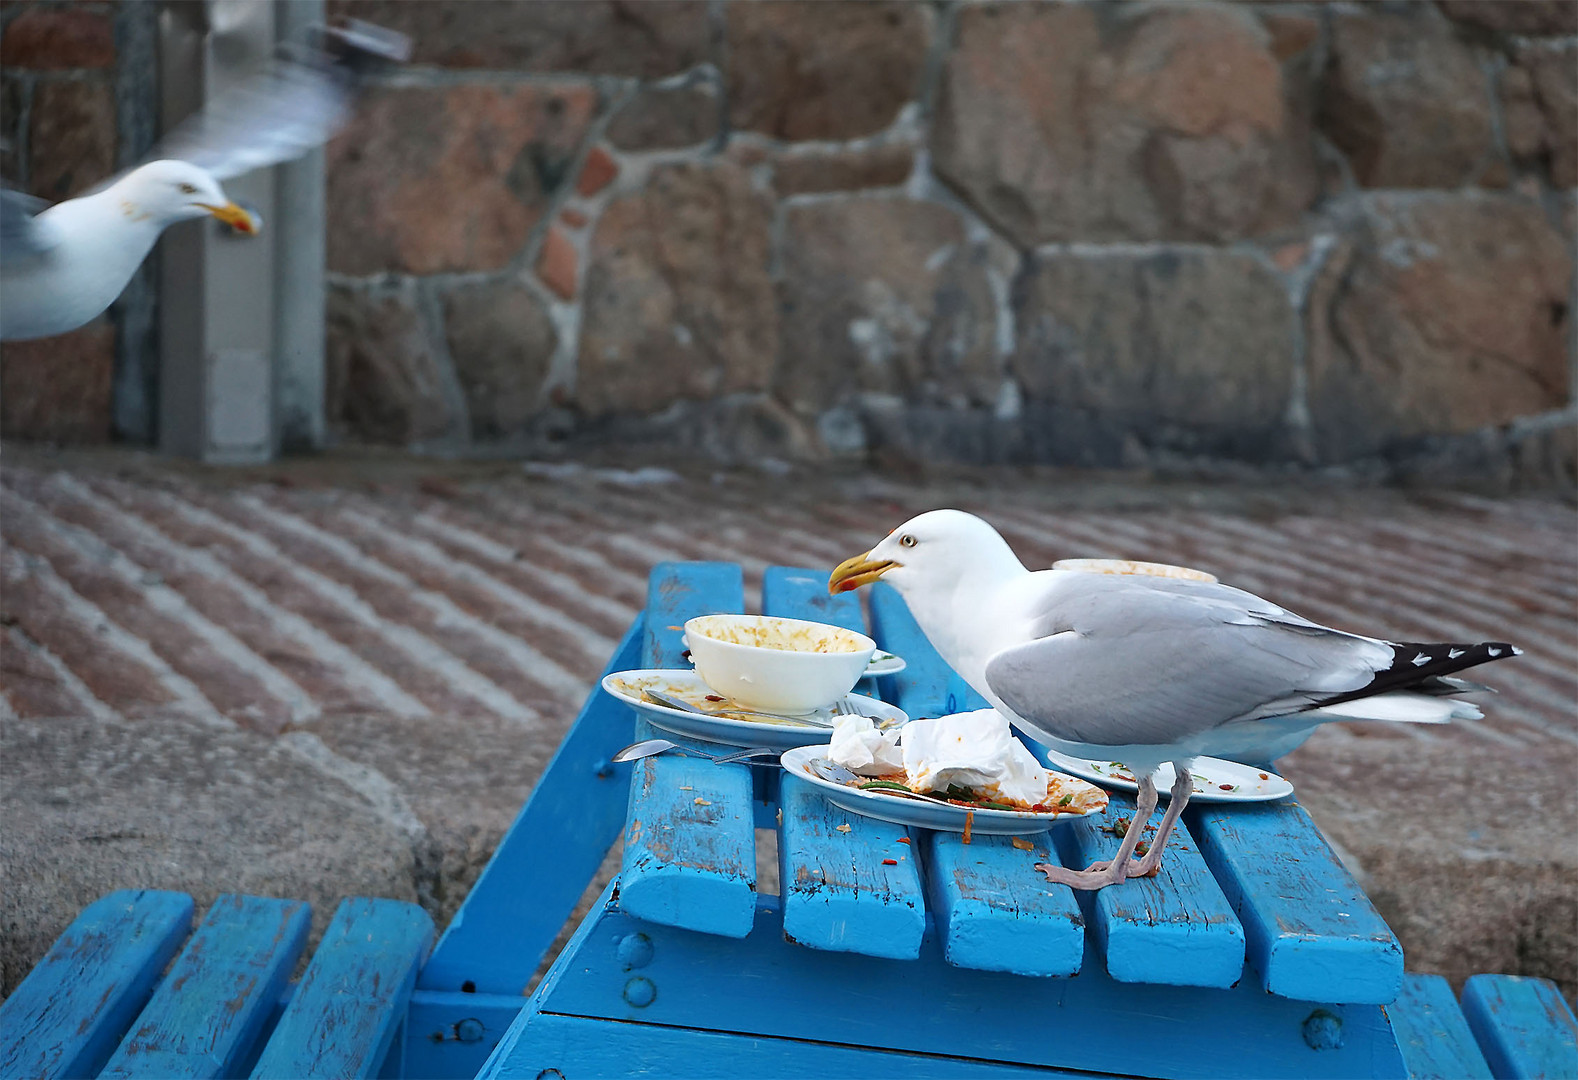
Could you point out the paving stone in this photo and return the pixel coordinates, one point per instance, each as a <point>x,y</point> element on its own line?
<point>433,179</point>
<point>1523,17</point>
<point>59,389</point>
<point>52,39</point>
<point>1539,99</point>
<point>500,341</point>
<point>71,142</point>
<point>800,69</point>
<point>1065,122</point>
<point>1440,314</point>
<point>849,170</point>
<point>383,383</point>
<point>92,805</point>
<point>1405,99</point>
<point>604,37</point>
<point>664,318</point>
<point>1189,351</point>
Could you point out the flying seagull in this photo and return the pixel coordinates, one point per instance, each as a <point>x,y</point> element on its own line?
<point>1145,670</point>
<point>62,265</point>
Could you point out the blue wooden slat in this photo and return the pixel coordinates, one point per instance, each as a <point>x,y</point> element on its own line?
<point>1522,1025</point>
<point>352,1000</point>
<point>686,863</point>
<point>548,1045</point>
<point>1175,928</point>
<point>801,593</point>
<point>635,973</point>
<point>68,1014</point>
<point>451,1034</point>
<point>995,911</point>
<point>1435,1039</point>
<point>210,1010</point>
<point>837,892</point>
<point>1311,932</point>
<point>542,865</point>
<point>690,846</point>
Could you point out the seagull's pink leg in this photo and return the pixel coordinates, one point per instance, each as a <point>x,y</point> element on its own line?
<point>1109,871</point>
<point>1181,789</point>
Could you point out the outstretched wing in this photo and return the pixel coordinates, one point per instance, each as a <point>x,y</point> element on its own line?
<point>22,235</point>
<point>296,103</point>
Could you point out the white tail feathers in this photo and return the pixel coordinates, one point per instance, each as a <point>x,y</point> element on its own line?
<point>1400,707</point>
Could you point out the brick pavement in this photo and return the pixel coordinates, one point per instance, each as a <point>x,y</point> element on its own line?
<point>395,647</point>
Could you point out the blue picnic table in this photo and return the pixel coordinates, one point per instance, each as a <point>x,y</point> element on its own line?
<point>886,950</point>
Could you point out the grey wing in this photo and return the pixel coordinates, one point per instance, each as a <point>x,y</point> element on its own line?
<point>293,105</point>
<point>1147,663</point>
<point>22,234</point>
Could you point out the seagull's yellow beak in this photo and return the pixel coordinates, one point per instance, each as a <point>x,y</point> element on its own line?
<point>853,573</point>
<point>235,216</point>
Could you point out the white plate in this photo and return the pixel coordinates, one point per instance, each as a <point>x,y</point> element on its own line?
<point>926,815</point>
<point>1215,780</point>
<point>780,734</point>
<point>885,663</point>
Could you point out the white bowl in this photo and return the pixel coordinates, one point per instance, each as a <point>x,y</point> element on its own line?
<point>788,666</point>
<point>1130,566</point>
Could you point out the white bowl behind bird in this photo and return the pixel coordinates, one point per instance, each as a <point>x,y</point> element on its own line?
<point>788,666</point>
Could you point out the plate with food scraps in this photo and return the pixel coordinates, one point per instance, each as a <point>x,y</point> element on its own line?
<point>726,722</point>
<point>885,663</point>
<point>1215,780</point>
<point>1067,798</point>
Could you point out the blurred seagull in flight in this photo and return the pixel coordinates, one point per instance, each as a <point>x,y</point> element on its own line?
<point>61,265</point>
<point>1144,669</point>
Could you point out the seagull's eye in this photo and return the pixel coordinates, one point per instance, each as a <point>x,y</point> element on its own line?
<point>907,540</point>
<point>188,189</point>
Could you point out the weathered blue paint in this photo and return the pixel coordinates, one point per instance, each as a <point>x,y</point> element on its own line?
<point>1312,933</point>
<point>767,987</point>
<point>837,892</point>
<point>690,845</point>
<point>68,1014</point>
<point>209,1011</point>
<point>801,593</point>
<point>450,1034</point>
<point>678,592</point>
<point>687,861</point>
<point>351,1002</point>
<point>542,865</point>
<point>995,911</point>
<point>1175,928</point>
<point>1522,1025</point>
<point>576,1046</point>
<point>1432,1034</point>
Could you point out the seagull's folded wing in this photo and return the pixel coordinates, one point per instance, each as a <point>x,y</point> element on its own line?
<point>1129,661</point>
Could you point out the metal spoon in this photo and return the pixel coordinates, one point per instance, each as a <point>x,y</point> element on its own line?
<point>831,770</point>
<point>651,747</point>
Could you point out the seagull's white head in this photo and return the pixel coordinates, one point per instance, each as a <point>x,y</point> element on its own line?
<point>937,549</point>
<point>169,191</point>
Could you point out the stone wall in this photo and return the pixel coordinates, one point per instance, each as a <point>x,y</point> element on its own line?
<point>78,100</point>
<point>1284,235</point>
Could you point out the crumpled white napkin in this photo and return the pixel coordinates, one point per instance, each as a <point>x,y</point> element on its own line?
<point>859,747</point>
<point>975,750</point>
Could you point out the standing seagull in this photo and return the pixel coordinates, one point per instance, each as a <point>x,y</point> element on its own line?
<point>1146,670</point>
<point>62,265</point>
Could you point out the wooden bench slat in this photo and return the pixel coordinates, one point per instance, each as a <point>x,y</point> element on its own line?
<point>690,846</point>
<point>1312,933</point>
<point>686,863</point>
<point>210,1010</point>
<point>68,1014</point>
<point>801,593</point>
<point>352,1001</point>
<point>1432,1034</point>
<point>1175,928</point>
<point>996,912</point>
<point>574,814</point>
<point>837,893</point>
<point>1523,1026</point>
